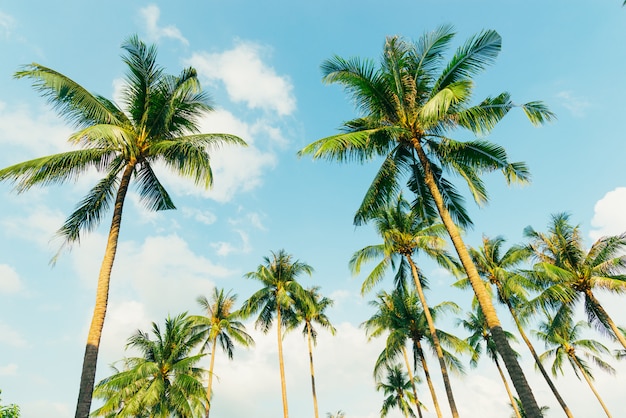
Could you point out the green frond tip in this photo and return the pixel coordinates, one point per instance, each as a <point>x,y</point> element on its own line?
<point>538,113</point>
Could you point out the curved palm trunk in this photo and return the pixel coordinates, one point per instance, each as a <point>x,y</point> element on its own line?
<point>605,316</point>
<point>543,371</point>
<point>281,363</point>
<point>90,361</point>
<point>210,382</point>
<point>429,381</point>
<point>433,333</point>
<point>308,330</point>
<point>593,389</point>
<point>508,389</point>
<point>410,371</point>
<point>484,300</point>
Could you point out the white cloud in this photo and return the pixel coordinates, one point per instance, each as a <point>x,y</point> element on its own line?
<point>39,225</point>
<point>202,216</point>
<point>10,337</point>
<point>575,105</point>
<point>7,24</point>
<point>8,370</point>
<point>247,78</point>
<point>150,15</point>
<point>225,248</point>
<point>33,134</point>
<point>608,217</point>
<point>44,408</point>
<point>9,280</point>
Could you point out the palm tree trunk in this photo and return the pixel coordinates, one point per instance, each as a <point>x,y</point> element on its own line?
<point>281,363</point>
<point>435,339</point>
<point>543,371</point>
<point>308,330</point>
<point>593,389</point>
<point>429,381</point>
<point>484,300</point>
<point>90,360</point>
<point>210,383</point>
<point>410,371</point>
<point>508,389</point>
<point>605,317</point>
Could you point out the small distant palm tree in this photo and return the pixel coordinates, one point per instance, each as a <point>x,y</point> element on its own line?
<point>561,336</point>
<point>159,123</point>
<point>338,414</point>
<point>278,276</point>
<point>163,382</point>
<point>397,389</point>
<point>570,274</point>
<point>480,340</point>
<point>311,311</point>
<point>220,324</point>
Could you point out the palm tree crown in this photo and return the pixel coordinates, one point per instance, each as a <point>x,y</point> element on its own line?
<point>163,382</point>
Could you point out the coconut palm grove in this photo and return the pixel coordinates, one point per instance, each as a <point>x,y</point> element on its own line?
<point>272,209</point>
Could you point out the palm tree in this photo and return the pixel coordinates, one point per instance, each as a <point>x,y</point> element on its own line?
<point>409,104</point>
<point>9,411</point>
<point>158,124</point>
<point>497,268</point>
<point>163,382</point>
<point>396,387</point>
<point>339,414</point>
<point>561,336</point>
<point>220,324</point>
<point>569,273</point>
<point>480,340</point>
<point>309,311</point>
<point>400,314</point>
<point>278,275</point>
<point>404,234</point>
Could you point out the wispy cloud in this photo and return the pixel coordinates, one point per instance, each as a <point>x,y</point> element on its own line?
<point>155,32</point>
<point>576,105</point>
<point>9,280</point>
<point>11,337</point>
<point>247,78</point>
<point>7,24</point>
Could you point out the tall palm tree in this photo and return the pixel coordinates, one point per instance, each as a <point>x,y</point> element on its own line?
<point>409,105</point>
<point>401,315</point>
<point>310,311</point>
<point>498,268</point>
<point>158,124</point>
<point>480,340</point>
<point>561,337</point>
<point>396,387</point>
<point>571,274</point>
<point>278,276</point>
<point>163,382</point>
<point>405,234</point>
<point>220,323</point>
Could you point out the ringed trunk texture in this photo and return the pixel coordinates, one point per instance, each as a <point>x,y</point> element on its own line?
<point>281,364</point>
<point>90,360</point>
<point>410,371</point>
<point>308,330</point>
<point>433,334</point>
<point>210,382</point>
<point>605,316</point>
<point>484,300</point>
<point>429,381</point>
<point>543,371</point>
<point>508,389</point>
<point>593,389</point>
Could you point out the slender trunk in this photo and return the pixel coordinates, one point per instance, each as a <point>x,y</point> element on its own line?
<point>429,381</point>
<point>604,316</point>
<point>308,330</point>
<point>435,339</point>
<point>484,300</point>
<point>543,371</point>
<point>283,386</point>
<point>593,389</point>
<point>508,389</point>
<point>410,371</point>
<point>90,360</point>
<point>210,383</point>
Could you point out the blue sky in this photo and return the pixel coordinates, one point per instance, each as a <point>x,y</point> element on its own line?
<point>260,62</point>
